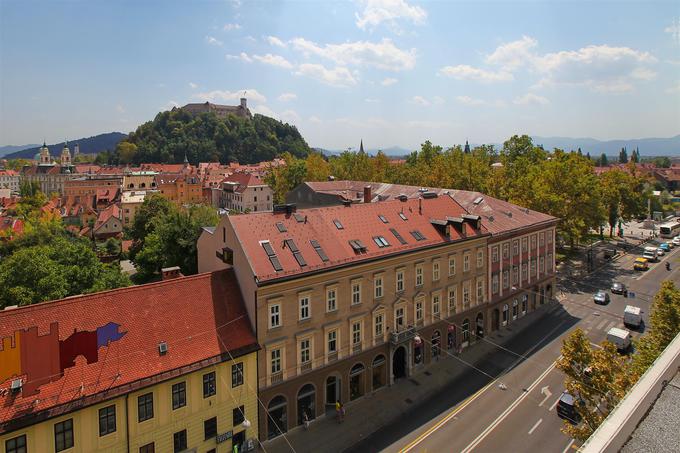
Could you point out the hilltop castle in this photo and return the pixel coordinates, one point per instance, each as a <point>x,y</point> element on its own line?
<point>220,110</point>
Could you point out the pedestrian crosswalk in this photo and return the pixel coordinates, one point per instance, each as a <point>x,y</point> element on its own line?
<point>591,320</point>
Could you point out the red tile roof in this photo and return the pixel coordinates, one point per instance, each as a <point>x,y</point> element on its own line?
<point>7,223</point>
<point>360,221</point>
<point>106,214</point>
<point>201,317</point>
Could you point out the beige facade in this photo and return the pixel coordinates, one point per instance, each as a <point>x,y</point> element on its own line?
<point>129,203</point>
<point>252,198</point>
<point>141,180</point>
<point>9,179</point>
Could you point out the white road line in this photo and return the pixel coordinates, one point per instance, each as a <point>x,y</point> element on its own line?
<point>507,411</point>
<point>601,325</point>
<point>611,324</point>
<point>568,446</point>
<point>596,345</point>
<point>555,403</point>
<point>540,420</point>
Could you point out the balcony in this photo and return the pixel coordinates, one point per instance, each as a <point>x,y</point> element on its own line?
<point>277,377</point>
<point>356,348</point>
<point>332,356</point>
<point>402,336</point>
<point>307,366</point>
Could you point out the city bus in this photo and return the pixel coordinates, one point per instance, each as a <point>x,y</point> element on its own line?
<point>669,229</point>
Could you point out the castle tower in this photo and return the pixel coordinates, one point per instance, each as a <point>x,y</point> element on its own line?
<point>45,157</point>
<point>467,147</point>
<point>65,155</point>
<point>76,150</point>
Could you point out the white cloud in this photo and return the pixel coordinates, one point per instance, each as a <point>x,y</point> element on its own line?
<point>674,30</point>
<point>512,55</point>
<point>285,97</point>
<point>466,72</point>
<point>378,11</point>
<point>230,27</point>
<point>467,100</point>
<point>382,55</point>
<point>530,98</point>
<point>222,95</point>
<point>264,110</point>
<point>120,108</point>
<point>419,124</point>
<point>315,119</point>
<point>371,100</point>
<point>674,89</point>
<point>419,100</point>
<point>192,85</point>
<point>388,81</point>
<point>213,41</point>
<point>273,60</point>
<point>274,41</point>
<point>338,76</point>
<point>290,116</point>
<point>242,56</point>
<point>600,68</point>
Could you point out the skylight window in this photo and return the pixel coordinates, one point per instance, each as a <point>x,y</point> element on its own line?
<point>281,227</point>
<point>403,216</point>
<point>357,245</point>
<point>276,264</point>
<point>296,252</point>
<point>381,241</point>
<point>299,217</point>
<point>382,218</point>
<point>398,236</point>
<point>319,250</point>
<point>417,235</point>
<point>338,225</point>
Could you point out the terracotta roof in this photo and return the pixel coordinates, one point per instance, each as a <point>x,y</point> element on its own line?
<point>75,350</point>
<point>13,224</point>
<point>164,168</point>
<point>359,222</point>
<point>88,168</point>
<point>488,207</point>
<point>104,216</point>
<point>8,173</point>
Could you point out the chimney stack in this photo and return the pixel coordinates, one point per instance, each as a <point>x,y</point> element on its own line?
<point>244,103</point>
<point>169,273</point>
<point>367,194</point>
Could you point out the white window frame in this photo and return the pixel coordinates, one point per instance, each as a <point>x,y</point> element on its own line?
<point>515,247</point>
<point>550,236</point>
<point>550,262</point>
<point>304,308</point>
<point>435,270</point>
<point>419,309</point>
<point>452,265</point>
<point>278,360</point>
<point>419,275</point>
<point>506,279</point>
<point>436,306</point>
<point>356,292</point>
<point>331,299</point>
<point>276,306</point>
<point>466,262</point>
<point>334,333</point>
<point>305,346</point>
<point>356,333</point>
<point>377,287</point>
<point>480,290</point>
<point>399,313</point>
<point>494,284</point>
<point>532,268</point>
<point>525,244</point>
<point>541,239</point>
<point>494,254</point>
<point>515,275</point>
<point>452,297</point>
<point>506,250</point>
<point>399,280</point>
<point>505,315</point>
<point>533,242</point>
<point>466,294</point>
<point>541,265</point>
<point>480,258</point>
<point>379,321</point>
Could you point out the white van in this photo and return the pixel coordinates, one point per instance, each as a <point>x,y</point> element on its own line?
<point>632,316</point>
<point>621,338</point>
<point>650,254</point>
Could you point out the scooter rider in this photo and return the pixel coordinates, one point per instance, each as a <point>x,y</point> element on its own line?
<point>668,266</point>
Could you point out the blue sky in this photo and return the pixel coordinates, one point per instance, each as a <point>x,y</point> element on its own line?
<point>393,72</point>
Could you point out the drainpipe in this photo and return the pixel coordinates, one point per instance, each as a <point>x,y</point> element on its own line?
<point>127,424</point>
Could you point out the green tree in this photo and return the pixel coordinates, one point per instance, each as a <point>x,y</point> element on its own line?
<point>126,152</point>
<point>623,156</point>
<point>316,167</point>
<point>597,379</point>
<point>285,178</point>
<point>603,160</point>
<point>622,196</point>
<point>154,205</point>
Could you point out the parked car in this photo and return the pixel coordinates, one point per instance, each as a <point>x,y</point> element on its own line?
<point>640,264</point>
<point>676,240</point>
<point>601,297</point>
<point>566,408</point>
<point>665,247</point>
<point>650,256</point>
<point>621,338</point>
<point>660,251</point>
<point>632,316</point>
<point>619,288</point>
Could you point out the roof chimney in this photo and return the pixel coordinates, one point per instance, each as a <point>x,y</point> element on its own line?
<point>169,273</point>
<point>367,194</point>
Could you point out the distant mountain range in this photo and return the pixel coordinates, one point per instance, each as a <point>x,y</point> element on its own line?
<point>89,145</point>
<point>4,150</point>
<point>648,146</point>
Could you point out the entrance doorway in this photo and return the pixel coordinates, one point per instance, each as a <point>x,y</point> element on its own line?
<point>399,363</point>
<point>496,319</point>
<point>332,392</point>
<point>306,402</point>
<point>238,439</point>
<point>277,420</point>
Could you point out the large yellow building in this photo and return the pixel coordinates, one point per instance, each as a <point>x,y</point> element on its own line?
<point>165,367</point>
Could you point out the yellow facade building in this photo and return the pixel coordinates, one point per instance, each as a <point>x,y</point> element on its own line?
<point>165,367</point>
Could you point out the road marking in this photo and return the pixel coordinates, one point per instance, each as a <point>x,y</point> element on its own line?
<point>601,325</point>
<point>568,446</point>
<point>545,391</point>
<point>611,324</point>
<point>555,403</point>
<point>508,410</point>
<point>596,345</point>
<point>540,420</point>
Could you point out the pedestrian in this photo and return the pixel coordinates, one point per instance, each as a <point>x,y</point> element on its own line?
<point>305,420</point>
<point>337,410</point>
<point>342,413</point>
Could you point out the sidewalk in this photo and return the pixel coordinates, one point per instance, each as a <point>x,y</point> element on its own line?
<point>378,409</point>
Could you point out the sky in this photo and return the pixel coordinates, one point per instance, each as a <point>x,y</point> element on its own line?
<point>390,72</point>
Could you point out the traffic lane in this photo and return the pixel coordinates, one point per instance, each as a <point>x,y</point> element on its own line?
<point>534,424</point>
<point>460,431</point>
<point>476,416</point>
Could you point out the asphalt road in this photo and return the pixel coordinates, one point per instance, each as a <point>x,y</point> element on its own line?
<point>508,402</point>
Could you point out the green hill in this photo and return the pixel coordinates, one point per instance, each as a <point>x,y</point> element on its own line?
<point>89,145</point>
<point>208,138</point>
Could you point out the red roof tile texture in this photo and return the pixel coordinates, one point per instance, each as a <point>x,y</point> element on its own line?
<point>360,221</point>
<point>201,317</point>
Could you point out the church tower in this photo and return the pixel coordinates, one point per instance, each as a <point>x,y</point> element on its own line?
<point>45,157</point>
<point>65,156</point>
<point>361,146</point>
<point>467,147</point>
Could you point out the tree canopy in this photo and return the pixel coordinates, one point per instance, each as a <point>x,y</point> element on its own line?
<point>207,138</point>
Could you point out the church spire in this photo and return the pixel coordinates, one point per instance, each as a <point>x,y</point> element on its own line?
<point>361,146</point>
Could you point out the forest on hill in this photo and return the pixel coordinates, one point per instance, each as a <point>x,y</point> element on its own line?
<point>207,138</point>
<point>88,145</point>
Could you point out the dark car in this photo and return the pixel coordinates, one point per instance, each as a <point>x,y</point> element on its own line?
<point>566,408</point>
<point>601,297</point>
<point>619,288</point>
